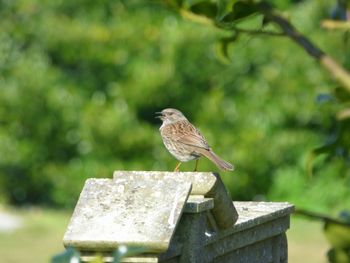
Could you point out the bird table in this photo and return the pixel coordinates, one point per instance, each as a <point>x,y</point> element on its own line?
<point>175,217</point>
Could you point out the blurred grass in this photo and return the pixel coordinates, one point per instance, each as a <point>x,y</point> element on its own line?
<point>306,242</point>
<point>41,237</point>
<point>37,240</point>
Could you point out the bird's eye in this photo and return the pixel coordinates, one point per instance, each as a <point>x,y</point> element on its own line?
<point>171,113</point>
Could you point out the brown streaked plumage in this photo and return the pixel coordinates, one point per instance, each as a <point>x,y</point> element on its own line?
<point>185,142</point>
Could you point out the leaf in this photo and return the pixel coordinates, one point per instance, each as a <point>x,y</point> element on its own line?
<point>175,3</point>
<point>341,94</point>
<point>240,10</point>
<point>343,114</point>
<point>338,255</point>
<point>225,7</point>
<point>316,152</point>
<point>70,255</point>
<point>221,48</point>
<point>324,98</point>
<point>205,8</point>
<point>338,235</point>
<point>339,12</point>
<point>345,216</point>
<point>124,251</point>
<point>265,21</point>
<point>97,259</point>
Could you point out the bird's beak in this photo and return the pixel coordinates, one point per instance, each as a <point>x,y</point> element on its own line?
<point>160,115</point>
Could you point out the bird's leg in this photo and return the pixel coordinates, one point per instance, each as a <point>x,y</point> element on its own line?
<point>177,168</point>
<point>195,168</point>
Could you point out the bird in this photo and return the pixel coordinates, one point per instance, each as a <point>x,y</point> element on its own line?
<point>185,142</point>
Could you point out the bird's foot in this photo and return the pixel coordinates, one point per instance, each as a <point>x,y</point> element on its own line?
<point>195,168</point>
<point>177,168</point>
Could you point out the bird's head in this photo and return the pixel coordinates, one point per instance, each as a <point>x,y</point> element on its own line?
<point>169,116</point>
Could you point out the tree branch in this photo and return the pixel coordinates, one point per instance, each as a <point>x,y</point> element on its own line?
<point>333,67</point>
<point>258,32</point>
<point>196,18</point>
<point>337,71</point>
<point>322,217</point>
<point>332,24</point>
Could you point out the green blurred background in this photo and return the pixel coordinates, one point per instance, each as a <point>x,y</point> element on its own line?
<point>80,82</point>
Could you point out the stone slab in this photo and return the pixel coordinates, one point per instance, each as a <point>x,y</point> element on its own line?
<point>197,204</point>
<point>258,252</point>
<point>256,213</point>
<point>221,245</point>
<point>203,183</point>
<point>128,212</point>
<point>258,236</point>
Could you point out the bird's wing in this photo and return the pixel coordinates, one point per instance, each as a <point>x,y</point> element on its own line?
<point>187,134</point>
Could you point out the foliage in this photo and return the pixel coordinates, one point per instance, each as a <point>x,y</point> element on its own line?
<point>338,236</point>
<point>71,255</point>
<point>80,82</point>
<point>337,232</point>
<point>253,17</point>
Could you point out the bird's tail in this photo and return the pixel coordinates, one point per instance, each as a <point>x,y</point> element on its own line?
<point>220,163</point>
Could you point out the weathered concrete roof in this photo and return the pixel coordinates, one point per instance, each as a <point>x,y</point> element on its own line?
<point>126,211</point>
